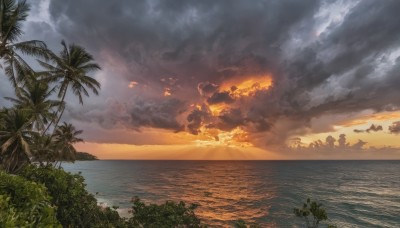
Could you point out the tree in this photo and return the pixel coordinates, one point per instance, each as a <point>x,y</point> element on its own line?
<point>65,136</point>
<point>70,70</point>
<point>25,203</point>
<point>44,149</point>
<point>314,210</point>
<point>83,156</point>
<point>15,139</point>
<point>2,117</point>
<point>75,206</point>
<point>35,99</point>
<point>170,214</point>
<point>12,14</point>
<point>242,224</point>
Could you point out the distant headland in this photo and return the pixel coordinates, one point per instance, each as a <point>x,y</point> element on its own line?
<point>84,156</point>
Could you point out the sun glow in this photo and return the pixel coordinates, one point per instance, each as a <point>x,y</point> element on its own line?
<point>132,84</point>
<point>214,137</point>
<point>247,87</point>
<point>167,92</point>
<point>237,89</point>
<point>216,109</point>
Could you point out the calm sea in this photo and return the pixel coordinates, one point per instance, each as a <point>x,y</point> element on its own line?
<point>355,193</point>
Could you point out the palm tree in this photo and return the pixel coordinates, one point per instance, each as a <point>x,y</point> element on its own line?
<point>35,99</point>
<point>2,116</point>
<point>70,70</point>
<point>12,14</point>
<point>65,136</point>
<point>15,139</point>
<point>44,149</point>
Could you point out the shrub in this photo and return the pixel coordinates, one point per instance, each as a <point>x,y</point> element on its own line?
<point>313,213</point>
<point>24,203</point>
<point>75,206</point>
<point>170,214</point>
<point>242,224</point>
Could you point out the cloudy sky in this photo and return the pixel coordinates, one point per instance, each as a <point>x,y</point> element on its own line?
<point>189,79</point>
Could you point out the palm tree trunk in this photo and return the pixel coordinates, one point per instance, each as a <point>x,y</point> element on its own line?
<point>59,117</point>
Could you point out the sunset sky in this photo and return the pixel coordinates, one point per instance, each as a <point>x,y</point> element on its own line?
<point>230,79</point>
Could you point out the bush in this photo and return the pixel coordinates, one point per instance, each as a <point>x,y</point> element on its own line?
<point>313,213</point>
<point>75,206</point>
<point>24,203</point>
<point>78,208</point>
<point>242,224</point>
<point>170,214</point>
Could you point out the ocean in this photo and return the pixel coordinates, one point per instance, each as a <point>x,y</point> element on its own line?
<point>354,193</point>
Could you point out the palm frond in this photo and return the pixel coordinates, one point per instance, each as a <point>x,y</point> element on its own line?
<point>12,16</point>
<point>33,48</point>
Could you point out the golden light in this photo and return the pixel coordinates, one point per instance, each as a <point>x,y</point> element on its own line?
<point>216,109</point>
<point>362,122</point>
<point>374,117</point>
<point>214,137</point>
<point>237,137</point>
<point>132,84</point>
<point>167,92</point>
<point>248,86</point>
<point>175,152</point>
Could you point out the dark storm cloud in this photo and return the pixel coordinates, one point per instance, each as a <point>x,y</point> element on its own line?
<point>202,43</point>
<point>195,119</point>
<point>358,145</point>
<point>192,39</point>
<point>330,145</point>
<point>158,115</point>
<point>369,30</point>
<point>342,141</point>
<point>372,128</point>
<point>349,67</point>
<point>230,119</point>
<point>395,128</point>
<point>133,115</point>
<point>220,97</point>
<point>206,88</point>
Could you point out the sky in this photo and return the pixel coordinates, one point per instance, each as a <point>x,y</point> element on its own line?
<point>230,79</point>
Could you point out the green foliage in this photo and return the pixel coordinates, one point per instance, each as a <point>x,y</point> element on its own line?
<point>242,224</point>
<point>65,136</point>
<point>75,206</point>
<point>25,125</point>
<point>35,99</point>
<point>44,149</point>
<point>69,69</point>
<point>83,156</point>
<point>170,214</point>
<point>15,139</point>
<point>312,213</point>
<point>12,14</point>
<point>24,203</point>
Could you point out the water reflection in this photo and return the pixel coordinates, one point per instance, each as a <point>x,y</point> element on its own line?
<point>224,192</point>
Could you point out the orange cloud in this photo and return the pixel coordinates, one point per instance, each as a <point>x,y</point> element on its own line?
<point>367,119</point>
<point>247,86</point>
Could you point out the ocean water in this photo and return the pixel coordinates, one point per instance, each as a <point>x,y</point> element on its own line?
<point>355,193</point>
